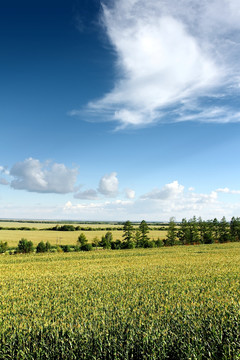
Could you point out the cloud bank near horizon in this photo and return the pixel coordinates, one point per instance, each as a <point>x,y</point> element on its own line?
<point>175,61</point>
<point>108,201</point>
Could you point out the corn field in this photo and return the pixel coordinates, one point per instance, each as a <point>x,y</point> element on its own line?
<point>167,303</point>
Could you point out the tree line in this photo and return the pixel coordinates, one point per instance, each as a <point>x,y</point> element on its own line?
<point>188,232</point>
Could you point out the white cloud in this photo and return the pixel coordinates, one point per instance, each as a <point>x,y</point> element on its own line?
<point>171,57</point>
<point>89,194</point>
<point>228,191</point>
<point>34,176</point>
<point>108,185</point>
<point>129,193</point>
<point>168,191</point>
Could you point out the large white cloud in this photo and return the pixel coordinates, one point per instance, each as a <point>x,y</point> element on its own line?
<point>34,176</point>
<point>170,56</point>
<point>108,185</point>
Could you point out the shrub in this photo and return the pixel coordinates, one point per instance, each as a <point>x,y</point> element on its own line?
<point>66,248</point>
<point>3,247</point>
<point>41,247</point>
<point>86,247</point>
<point>25,246</point>
<point>116,245</point>
<point>158,243</point>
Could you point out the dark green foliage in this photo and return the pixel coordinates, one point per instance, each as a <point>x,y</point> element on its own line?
<point>158,243</point>
<point>66,248</point>
<point>116,245</point>
<point>106,240</point>
<point>25,246</point>
<point>171,234</point>
<point>128,244</point>
<point>86,247</point>
<point>3,247</point>
<point>149,244</point>
<point>235,229</point>
<point>223,231</point>
<point>144,230</point>
<point>41,247</point>
<point>128,232</point>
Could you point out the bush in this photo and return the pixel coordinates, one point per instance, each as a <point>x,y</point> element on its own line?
<point>48,246</point>
<point>3,247</point>
<point>41,248</point>
<point>128,245</point>
<point>86,247</point>
<point>66,248</point>
<point>59,249</point>
<point>158,243</point>
<point>25,246</point>
<point>116,245</point>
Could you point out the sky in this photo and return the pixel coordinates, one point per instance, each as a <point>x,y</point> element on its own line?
<point>115,110</point>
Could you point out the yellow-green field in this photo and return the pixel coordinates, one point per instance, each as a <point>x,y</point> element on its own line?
<point>60,237</point>
<point>170,303</point>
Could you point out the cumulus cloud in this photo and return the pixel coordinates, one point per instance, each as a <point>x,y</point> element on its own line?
<point>108,185</point>
<point>89,194</point>
<point>175,61</point>
<point>166,192</point>
<point>34,176</point>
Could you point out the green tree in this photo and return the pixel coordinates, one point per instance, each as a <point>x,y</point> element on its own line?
<point>82,240</point>
<point>106,240</point>
<point>41,247</point>
<point>194,233</point>
<point>208,233</point>
<point>215,225</point>
<point>235,229</point>
<point>144,230</point>
<point>224,233</point>
<point>184,233</point>
<point>128,235</point>
<point>172,233</point>
<point>137,238</point>
<point>25,246</point>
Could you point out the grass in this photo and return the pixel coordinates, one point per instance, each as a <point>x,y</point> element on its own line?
<point>168,303</point>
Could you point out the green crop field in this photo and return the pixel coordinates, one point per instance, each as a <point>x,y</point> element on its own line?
<point>179,302</point>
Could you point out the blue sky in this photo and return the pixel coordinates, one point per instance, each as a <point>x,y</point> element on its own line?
<point>116,110</point>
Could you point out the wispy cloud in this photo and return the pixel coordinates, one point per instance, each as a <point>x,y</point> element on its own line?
<point>176,61</point>
<point>228,191</point>
<point>89,194</point>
